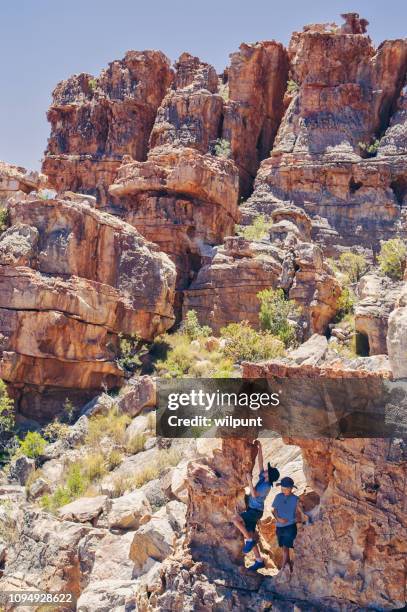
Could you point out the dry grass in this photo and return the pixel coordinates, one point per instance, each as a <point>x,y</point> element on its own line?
<point>111,425</point>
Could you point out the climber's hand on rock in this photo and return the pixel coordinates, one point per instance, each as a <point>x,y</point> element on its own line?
<point>256,443</point>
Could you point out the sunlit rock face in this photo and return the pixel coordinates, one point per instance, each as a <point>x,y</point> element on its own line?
<point>97,120</point>
<point>72,279</point>
<point>338,152</point>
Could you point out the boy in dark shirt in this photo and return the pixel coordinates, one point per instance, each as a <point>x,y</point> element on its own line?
<point>246,521</point>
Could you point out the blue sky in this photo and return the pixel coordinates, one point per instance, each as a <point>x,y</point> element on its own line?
<point>45,41</point>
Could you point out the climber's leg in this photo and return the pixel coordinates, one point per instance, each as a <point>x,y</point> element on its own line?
<point>286,556</point>
<point>257,554</point>
<point>239,523</point>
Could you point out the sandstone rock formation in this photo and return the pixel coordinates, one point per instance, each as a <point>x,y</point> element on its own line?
<point>343,93</point>
<point>72,280</point>
<point>161,158</point>
<point>225,290</point>
<point>15,178</point>
<point>396,337</point>
<point>256,82</point>
<point>95,121</point>
<point>378,296</point>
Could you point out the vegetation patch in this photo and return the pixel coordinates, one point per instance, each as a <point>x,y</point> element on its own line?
<point>4,219</point>
<point>392,258</point>
<point>244,343</point>
<point>292,87</point>
<point>369,148</point>
<point>222,148</point>
<point>258,229</point>
<point>275,314</point>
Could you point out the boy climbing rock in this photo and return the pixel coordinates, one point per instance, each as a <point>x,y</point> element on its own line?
<point>285,510</point>
<point>246,521</point>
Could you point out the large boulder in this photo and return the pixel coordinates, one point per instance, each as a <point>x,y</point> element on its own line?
<point>377,299</point>
<point>397,342</point>
<point>86,278</point>
<point>45,555</point>
<point>129,511</point>
<point>83,509</point>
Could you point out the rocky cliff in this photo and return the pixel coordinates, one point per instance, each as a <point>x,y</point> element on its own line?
<point>73,280</point>
<point>149,168</point>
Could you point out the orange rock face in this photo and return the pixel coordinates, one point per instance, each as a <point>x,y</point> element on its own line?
<point>257,78</point>
<point>71,280</point>
<point>225,290</point>
<point>183,197</point>
<point>95,121</point>
<point>182,200</point>
<point>342,97</point>
<point>354,548</point>
<point>15,178</point>
<point>191,112</point>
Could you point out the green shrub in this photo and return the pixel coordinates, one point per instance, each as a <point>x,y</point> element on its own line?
<point>7,419</point>
<point>224,91</point>
<point>55,431</point>
<point>92,84</point>
<point>353,265</point>
<point>370,148</point>
<point>246,344</point>
<point>4,219</point>
<point>79,476</point>
<point>178,359</point>
<point>59,498</point>
<point>257,230</point>
<point>130,349</point>
<point>392,258</point>
<point>192,328</point>
<point>76,481</point>
<point>33,445</point>
<point>275,310</point>
<point>222,148</point>
<point>292,87</point>
<point>349,268</point>
<point>346,304</point>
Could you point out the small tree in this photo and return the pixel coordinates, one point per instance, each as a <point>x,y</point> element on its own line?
<point>131,348</point>
<point>353,265</point>
<point>258,229</point>
<point>33,445</point>
<point>7,419</point>
<point>192,328</point>
<point>392,258</point>
<point>222,148</point>
<point>275,310</point>
<point>346,303</point>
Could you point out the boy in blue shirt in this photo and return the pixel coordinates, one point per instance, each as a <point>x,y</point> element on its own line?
<point>285,507</point>
<point>246,521</point>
